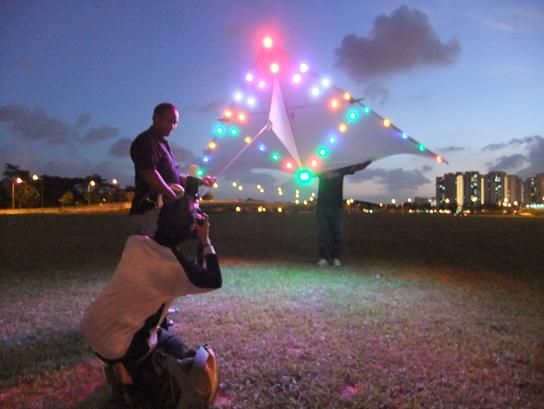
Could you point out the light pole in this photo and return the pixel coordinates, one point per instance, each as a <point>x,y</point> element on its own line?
<point>92,183</point>
<point>14,181</point>
<point>35,178</point>
<point>115,182</point>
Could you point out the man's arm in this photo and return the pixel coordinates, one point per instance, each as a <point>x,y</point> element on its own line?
<point>207,274</point>
<point>157,183</point>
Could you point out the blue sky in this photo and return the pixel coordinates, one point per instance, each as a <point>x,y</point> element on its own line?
<point>79,80</point>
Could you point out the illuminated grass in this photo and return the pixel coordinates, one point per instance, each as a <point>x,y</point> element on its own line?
<point>408,331</point>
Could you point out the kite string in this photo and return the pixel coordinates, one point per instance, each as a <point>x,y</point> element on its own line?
<point>264,128</point>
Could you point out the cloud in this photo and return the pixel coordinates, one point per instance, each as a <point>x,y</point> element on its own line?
<point>450,149</point>
<point>83,120</point>
<point>121,148</point>
<point>426,168</point>
<point>394,180</point>
<point>494,146</point>
<point>535,157</point>
<point>182,155</point>
<point>532,153</point>
<point>507,163</point>
<point>95,135</point>
<point>399,42</point>
<point>34,125</point>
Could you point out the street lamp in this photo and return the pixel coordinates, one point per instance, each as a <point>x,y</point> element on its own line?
<point>92,183</point>
<point>14,181</point>
<point>35,178</point>
<point>114,182</point>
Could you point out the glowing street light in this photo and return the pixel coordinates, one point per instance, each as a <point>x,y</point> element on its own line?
<point>91,184</point>
<point>15,181</point>
<point>35,178</point>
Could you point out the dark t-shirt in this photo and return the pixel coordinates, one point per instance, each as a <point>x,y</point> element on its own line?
<point>150,151</point>
<point>330,192</point>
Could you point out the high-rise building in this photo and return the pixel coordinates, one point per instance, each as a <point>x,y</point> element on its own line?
<point>528,190</point>
<point>472,189</point>
<point>446,189</point>
<point>512,189</point>
<point>539,183</point>
<point>494,193</point>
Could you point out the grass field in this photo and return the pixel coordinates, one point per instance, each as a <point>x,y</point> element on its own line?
<point>427,312</point>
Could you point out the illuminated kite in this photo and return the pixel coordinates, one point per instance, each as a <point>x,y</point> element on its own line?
<point>286,117</point>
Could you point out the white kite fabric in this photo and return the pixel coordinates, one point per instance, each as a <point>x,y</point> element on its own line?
<point>286,117</point>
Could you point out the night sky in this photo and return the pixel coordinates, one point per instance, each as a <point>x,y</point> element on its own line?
<point>79,79</point>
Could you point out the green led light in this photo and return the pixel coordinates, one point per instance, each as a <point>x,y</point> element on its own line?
<point>234,131</point>
<point>200,172</point>
<point>421,147</point>
<point>352,115</point>
<point>322,152</point>
<point>304,176</point>
<point>220,131</point>
<point>275,156</point>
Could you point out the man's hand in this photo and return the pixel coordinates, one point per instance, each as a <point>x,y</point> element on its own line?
<point>178,189</point>
<point>208,180</point>
<point>202,230</point>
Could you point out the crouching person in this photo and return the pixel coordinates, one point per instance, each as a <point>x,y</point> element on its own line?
<point>123,324</point>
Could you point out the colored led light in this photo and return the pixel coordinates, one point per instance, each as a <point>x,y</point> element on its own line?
<point>303,67</point>
<point>268,42</point>
<point>314,91</point>
<point>342,127</point>
<point>261,84</point>
<point>332,139</point>
<point>304,176</point>
<point>262,147</point>
<point>274,68</point>
<point>352,115</point>
<point>249,77</point>
<point>297,78</point>
<point>421,147</point>
<point>247,139</point>
<point>212,145</point>
<point>386,123</point>
<point>322,151</point>
<point>275,156</point>
<point>234,131</point>
<point>220,130</point>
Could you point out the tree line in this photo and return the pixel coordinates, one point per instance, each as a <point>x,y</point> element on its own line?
<point>22,189</point>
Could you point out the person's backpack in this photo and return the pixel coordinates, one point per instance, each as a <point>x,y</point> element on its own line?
<point>168,382</point>
<point>193,381</point>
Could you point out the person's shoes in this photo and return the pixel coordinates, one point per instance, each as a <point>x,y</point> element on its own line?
<point>336,262</point>
<point>322,262</point>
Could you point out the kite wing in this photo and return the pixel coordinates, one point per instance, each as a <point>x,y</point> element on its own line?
<point>288,118</point>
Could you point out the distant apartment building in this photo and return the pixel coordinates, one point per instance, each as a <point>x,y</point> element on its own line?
<point>532,189</point>
<point>471,189</point>
<point>446,189</point>
<point>512,189</point>
<point>494,189</point>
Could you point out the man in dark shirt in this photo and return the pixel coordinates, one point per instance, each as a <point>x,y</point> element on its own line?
<point>157,174</point>
<point>329,210</point>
